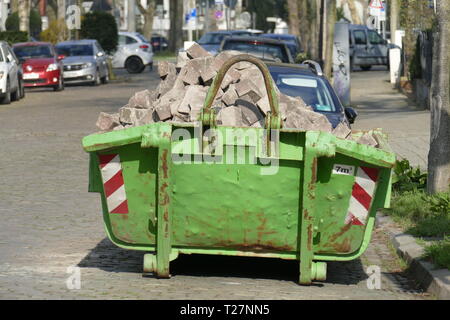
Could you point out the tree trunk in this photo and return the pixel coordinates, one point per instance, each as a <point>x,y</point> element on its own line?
<point>439,155</point>
<point>394,18</point>
<point>294,22</point>
<point>304,15</point>
<point>61,14</point>
<point>24,15</point>
<point>355,16</point>
<point>14,5</point>
<point>176,25</point>
<point>329,42</point>
<point>148,18</point>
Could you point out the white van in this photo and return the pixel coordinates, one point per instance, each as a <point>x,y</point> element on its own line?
<point>367,48</point>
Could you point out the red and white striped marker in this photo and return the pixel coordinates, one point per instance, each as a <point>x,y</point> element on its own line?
<point>362,195</point>
<point>113,184</point>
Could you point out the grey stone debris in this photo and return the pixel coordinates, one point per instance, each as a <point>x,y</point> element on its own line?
<point>241,100</point>
<point>107,122</point>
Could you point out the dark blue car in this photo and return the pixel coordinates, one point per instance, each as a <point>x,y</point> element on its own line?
<point>291,41</point>
<point>211,41</point>
<point>307,82</point>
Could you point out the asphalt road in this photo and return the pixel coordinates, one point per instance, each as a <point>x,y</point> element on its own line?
<point>49,222</point>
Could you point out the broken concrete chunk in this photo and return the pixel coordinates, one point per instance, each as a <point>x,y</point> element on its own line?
<point>368,140</point>
<point>165,68</point>
<point>264,104</point>
<point>141,99</point>
<point>203,66</point>
<point>342,130</point>
<point>230,96</point>
<point>163,112</point>
<point>107,122</point>
<point>250,112</point>
<point>197,51</point>
<point>193,100</point>
<point>129,115</point>
<point>248,87</point>
<point>230,116</point>
<point>189,74</point>
<point>182,59</point>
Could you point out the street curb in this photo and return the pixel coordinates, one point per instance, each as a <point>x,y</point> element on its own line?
<point>434,281</point>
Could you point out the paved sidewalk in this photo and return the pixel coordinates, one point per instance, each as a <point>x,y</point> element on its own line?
<point>380,106</point>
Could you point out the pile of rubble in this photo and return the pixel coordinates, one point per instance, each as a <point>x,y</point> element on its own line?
<point>241,100</point>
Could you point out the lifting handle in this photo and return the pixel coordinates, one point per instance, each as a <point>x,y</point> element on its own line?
<point>208,116</point>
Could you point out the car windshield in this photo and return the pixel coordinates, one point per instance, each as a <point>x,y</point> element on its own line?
<point>265,51</point>
<point>313,91</point>
<point>27,52</point>
<point>213,38</point>
<point>75,50</point>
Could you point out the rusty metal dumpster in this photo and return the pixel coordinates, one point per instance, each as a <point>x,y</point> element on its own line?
<point>201,188</point>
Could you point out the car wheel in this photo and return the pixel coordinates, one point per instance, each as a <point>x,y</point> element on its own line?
<point>134,65</point>
<point>7,98</point>
<point>366,68</point>
<point>105,79</point>
<point>59,86</point>
<point>15,96</point>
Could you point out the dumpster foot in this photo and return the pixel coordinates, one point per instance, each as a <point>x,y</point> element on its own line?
<point>319,271</point>
<point>151,264</point>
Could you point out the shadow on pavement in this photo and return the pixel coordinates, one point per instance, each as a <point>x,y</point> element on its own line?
<point>107,257</point>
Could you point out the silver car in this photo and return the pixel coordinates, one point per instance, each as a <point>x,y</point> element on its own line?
<point>84,62</point>
<point>133,53</point>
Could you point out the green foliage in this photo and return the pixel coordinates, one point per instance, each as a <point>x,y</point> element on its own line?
<point>57,31</point>
<point>440,203</point>
<point>13,22</point>
<point>407,178</point>
<point>102,27</point>
<point>35,23</point>
<point>302,56</point>
<point>340,14</point>
<point>13,36</point>
<point>439,253</point>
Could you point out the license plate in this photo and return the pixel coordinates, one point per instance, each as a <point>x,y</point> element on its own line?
<point>71,74</point>
<point>31,76</point>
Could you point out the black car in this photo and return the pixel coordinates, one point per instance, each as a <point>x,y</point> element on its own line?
<point>307,82</point>
<point>159,43</point>
<point>268,50</point>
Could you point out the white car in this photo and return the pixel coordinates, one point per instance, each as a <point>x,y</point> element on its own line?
<point>133,53</point>
<point>11,85</point>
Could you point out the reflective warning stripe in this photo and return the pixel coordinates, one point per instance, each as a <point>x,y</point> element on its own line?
<point>113,184</point>
<point>362,196</point>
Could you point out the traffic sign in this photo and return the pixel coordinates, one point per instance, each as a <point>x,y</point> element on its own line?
<point>376,8</point>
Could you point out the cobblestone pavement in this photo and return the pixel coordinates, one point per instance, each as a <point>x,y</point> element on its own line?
<point>50,222</point>
<point>380,106</point>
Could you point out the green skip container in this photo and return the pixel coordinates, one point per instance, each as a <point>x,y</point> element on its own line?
<point>200,188</point>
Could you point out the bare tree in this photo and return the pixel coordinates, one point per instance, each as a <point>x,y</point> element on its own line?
<point>176,25</point>
<point>148,14</point>
<point>24,15</point>
<point>294,21</point>
<point>394,18</point>
<point>439,155</point>
<point>351,6</point>
<point>61,12</point>
<point>329,36</point>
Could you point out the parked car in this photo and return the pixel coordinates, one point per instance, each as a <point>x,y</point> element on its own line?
<point>133,53</point>
<point>307,82</point>
<point>11,82</point>
<point>41,65</point>
<point>211,41</point>
<point>263,48</point>
<point>159,43</point>
<point>367,48</point>
<point>84,62</point>
<point>292,42</point>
